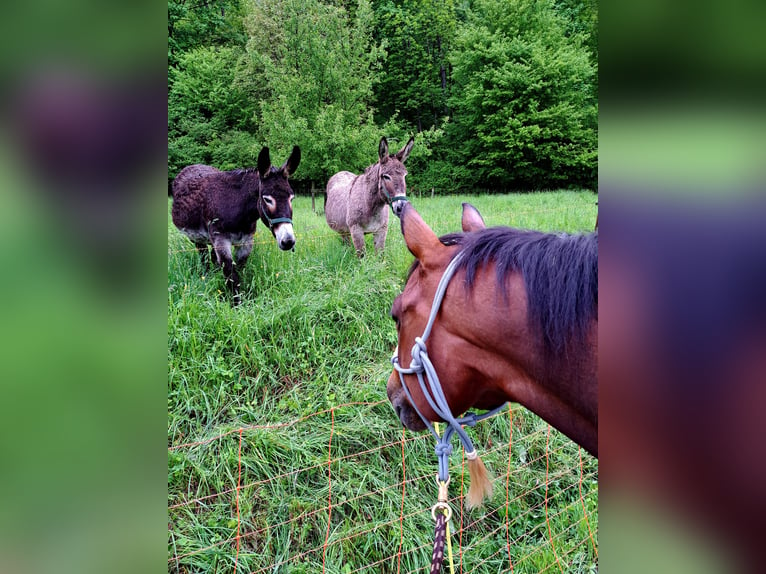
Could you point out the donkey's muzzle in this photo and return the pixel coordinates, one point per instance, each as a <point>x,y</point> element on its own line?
<point>398,206</point>
<point>287,243</point>
<point>285,236</point>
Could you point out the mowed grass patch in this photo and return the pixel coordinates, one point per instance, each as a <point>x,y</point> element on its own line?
<point>285,397</point>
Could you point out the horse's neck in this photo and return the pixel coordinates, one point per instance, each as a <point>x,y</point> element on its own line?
<point>563,390</point>
<point>560,389</point>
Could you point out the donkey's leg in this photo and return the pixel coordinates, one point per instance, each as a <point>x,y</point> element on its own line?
<point>243,252</point>
<point>222,246</point>
<point>203,248</point>
<point>357,236</point>
<point>379,238</point>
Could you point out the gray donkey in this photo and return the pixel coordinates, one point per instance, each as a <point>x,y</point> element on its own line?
<point>357,204</point>
<point>221,208</point>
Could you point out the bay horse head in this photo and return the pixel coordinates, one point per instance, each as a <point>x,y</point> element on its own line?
<point>275,202</point>
<point>515,320</point>
<point>392,188</point>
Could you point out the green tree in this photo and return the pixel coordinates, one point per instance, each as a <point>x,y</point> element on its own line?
<point>210,111</point>
<point>196,23</point>
<point>582,17</point>
<point>524,111</point>
<point>415,77</point>
<point>317,66</point>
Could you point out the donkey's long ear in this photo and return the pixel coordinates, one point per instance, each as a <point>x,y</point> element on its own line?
<point>420,239</point>
<point>264,162</point>
<point>404,153</point>
<point>472,219</point>
<point>383,150</point>
<point>292,162</point>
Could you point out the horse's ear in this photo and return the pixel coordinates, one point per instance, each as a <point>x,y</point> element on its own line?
<point>383,150</point>
<point>420,239</point>
<point>292,162</point>
<point>264,162</point>
<point>404,153</point>
<point>472,219</point>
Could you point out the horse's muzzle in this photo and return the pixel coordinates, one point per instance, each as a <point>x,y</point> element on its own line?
<point>402,407</point>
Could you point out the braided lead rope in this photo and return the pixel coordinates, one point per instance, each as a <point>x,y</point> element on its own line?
<point>440,537</point>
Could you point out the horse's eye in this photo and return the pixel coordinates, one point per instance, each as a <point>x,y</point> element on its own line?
<point>269,201</point>
<point>386,177</point>
<point>396,320</point>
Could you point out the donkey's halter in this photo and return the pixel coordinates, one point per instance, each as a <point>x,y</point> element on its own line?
<point>265,215</point>
<point>432,389</point>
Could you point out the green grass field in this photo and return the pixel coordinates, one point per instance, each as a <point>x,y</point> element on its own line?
<point>279,429</point>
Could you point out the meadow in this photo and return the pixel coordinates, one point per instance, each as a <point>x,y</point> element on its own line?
<point>284,454</point>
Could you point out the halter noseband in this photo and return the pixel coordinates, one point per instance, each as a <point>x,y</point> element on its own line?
<point>271,222</point>
<point>429,381</point>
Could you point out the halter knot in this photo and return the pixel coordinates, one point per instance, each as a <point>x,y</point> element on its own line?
<point>443,449</point>
<point>469,419</point>
<point>420,347</point>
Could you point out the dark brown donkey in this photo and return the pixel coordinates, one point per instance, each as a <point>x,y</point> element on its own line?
<point>221,208</point>
<point>518,323</point>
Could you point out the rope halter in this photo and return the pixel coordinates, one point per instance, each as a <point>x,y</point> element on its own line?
<point>431,387</point>
<point>274,222</point>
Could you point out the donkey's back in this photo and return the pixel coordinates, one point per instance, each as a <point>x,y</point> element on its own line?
<point>190,173</point>
<point>190,188</point>
<point>337,203</point>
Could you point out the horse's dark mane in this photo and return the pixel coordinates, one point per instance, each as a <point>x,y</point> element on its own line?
<point>560,276</point>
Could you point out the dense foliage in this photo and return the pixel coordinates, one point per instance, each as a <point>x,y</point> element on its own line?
<point>501,94</point>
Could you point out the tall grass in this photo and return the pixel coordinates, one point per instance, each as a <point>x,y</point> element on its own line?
<point>285,397</point>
